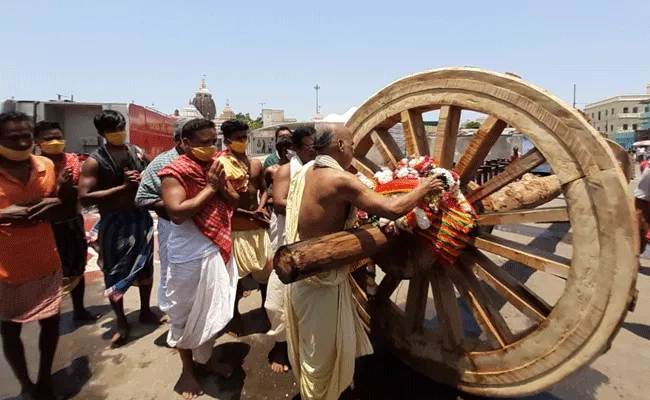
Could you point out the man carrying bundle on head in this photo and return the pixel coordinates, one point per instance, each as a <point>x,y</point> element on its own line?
<point>250,221</point>
<point>324,333</point>
<point>303,152</point>
<point>202,275</point>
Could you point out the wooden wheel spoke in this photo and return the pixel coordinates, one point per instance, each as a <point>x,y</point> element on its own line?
<point>543,215</point>
<point>479,147</point>
<point>446,135</point>
<point>527,255</point>
<point>515,292</point>
<point>416,303</point>
<point>387,147</point>
<point>447,312</point>
<point>515,170</point>
<point>415,136</point>
<point>485,312</point>
<point>386,288</point>
<point>365,166</point>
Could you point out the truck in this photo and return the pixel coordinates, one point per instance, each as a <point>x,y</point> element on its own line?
<point>147,128</point>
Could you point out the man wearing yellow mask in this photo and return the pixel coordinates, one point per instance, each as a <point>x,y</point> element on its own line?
<point>202,275</point>
<point>30,268</point>
<point>67,221</point>
<point>250,221</point>
<point>109,180</point>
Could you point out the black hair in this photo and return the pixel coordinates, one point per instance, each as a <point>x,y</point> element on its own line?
<point>43,126</point>
<point>280,129</point>
<point>283,142</point>
<point>13,116</point>
<point>232,126</point>
<point>298,136</point>
<point>109,121</point>
<point>193,126</point>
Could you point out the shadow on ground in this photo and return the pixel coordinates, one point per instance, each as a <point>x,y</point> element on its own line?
<point>69,325</point>
<point>638,329</point>
<point>138,330</point>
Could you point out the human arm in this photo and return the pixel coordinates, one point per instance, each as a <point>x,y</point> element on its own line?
<point>358,194</point>
<point>178,206</point>
<point>264,194</point>
<point>281,182</point>
<point>88,182</point>
<point>14,214</point>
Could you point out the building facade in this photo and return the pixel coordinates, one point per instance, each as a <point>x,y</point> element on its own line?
<point>274,117</point>
<point>618,114</point>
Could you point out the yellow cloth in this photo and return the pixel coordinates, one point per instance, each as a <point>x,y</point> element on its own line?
<point>252,249</point>
<point>236,171</point>
<point>324,331</point>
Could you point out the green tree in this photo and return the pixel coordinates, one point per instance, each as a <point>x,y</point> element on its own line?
<point>472,125</point>
<point>252,123</point>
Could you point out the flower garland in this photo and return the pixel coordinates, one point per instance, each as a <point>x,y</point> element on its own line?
<point>442,220</point>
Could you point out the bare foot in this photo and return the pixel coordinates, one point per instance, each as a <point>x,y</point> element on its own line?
<point>121,337</point>
<point>30,392</point>
<point>221,369</point>
<point>149,318</point>
<point>279,368</point>
<point>236,326</point>
<point>187,386</point>
<point>85,316</point>
<point>246,293</point>
<point>279,358</point>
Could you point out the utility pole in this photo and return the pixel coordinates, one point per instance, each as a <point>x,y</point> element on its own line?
<point>262,107</point>
<point>317,88</point>
<point>574,95</point>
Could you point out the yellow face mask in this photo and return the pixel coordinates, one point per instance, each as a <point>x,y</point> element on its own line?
<point>204,153</point>
<point>53,146</point>
<point>116,138</point>
<point>16,155</point>
<point>238,147</point>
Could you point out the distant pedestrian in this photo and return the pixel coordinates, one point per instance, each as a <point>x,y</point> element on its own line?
<point>30,268</point>
<point>515,154</point>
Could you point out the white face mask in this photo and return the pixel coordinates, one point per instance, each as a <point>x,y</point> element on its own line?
<point>291,154</point>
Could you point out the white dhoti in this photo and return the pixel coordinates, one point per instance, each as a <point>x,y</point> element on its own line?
<point>324,331</point>
<point>164,228</point>
<point>201,296</point>
<point>274,304</point>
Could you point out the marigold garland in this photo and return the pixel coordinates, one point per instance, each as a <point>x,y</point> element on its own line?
<point>442,221</point>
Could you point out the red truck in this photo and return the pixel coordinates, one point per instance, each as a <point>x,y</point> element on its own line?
<point>147,128</point>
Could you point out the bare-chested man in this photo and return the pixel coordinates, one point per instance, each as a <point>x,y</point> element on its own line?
<point>303,152</point>
<point>109,180</point>
<point>324,332</point>
<point>250,240</point>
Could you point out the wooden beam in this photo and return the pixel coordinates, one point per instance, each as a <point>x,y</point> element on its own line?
<point>479,147</point>
<point>447,312</point>
<point>446,135</point>
<point>515,170</point>
<point>527,255</point>
<point>515,292</point>
<point>540,215</point>
<point>387,147</point>
<point>365,166</point>
<point>416,303</point>
<point>415,134</point>
<point>485,312</point>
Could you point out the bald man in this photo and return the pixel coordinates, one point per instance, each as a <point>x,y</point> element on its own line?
<point>324,332</point>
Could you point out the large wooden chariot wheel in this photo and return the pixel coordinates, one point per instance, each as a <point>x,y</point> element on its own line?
<point>531,329</point>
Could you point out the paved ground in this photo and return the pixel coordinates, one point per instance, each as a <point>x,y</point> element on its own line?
<point>86,368</point>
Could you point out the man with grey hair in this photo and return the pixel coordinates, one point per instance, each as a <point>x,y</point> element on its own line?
<point>324,333</point>
<point>149,196</point>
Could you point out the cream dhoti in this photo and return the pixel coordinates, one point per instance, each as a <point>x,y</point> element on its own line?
<point>324,331</point>
<point>201,290</point>
<point>251,247</point>
<point>275,295</point>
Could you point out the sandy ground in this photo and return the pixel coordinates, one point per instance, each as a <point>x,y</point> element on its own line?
<point>87,368</point>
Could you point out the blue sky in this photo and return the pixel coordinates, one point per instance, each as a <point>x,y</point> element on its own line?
<point>275,52</point>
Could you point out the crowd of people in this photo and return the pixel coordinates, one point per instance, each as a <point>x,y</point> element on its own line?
<point>221,218</point>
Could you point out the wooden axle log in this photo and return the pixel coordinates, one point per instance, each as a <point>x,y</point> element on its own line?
<point>311,257</point>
